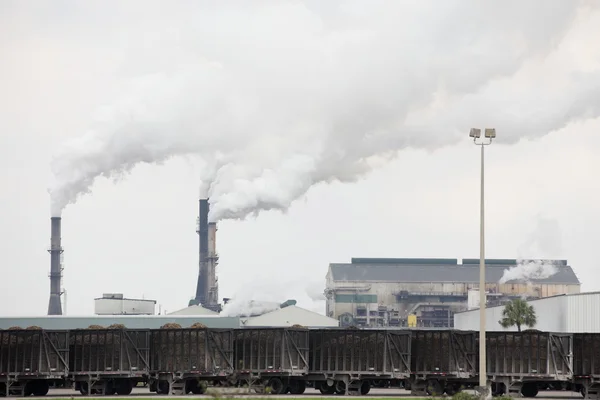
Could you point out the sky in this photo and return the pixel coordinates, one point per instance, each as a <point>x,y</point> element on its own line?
<point>320,131</point>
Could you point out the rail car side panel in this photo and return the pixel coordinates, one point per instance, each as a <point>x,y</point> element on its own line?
<point>115,352</point>
<point>447,353</point>
<point>192,351</point>
<point>34,353</point>
<point>532,354</point>
<point>377,352</point>
<point>279,351</point>
<point>586,355</point>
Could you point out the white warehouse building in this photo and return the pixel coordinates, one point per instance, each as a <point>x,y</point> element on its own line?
<point>567,313</point>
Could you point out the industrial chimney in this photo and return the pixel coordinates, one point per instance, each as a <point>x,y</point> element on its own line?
<point>54,305</point>
<point>207,291</point>
<point>202,230</point>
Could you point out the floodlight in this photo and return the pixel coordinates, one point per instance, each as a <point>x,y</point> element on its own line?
<point>490,133</point>
<point>475,133</point>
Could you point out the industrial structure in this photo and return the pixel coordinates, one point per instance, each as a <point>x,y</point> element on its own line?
<point>117,304</point>
<point>207,289</point>
<point>56,251</point>
<point>567,313</point>
<point>426,292</point>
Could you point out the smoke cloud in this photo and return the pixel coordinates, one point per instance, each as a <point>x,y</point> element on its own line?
<point>528,270</point>
<point>544,241</point>
<point>275,97</point>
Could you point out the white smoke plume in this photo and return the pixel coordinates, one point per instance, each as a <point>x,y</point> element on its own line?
<point>544,241</point>
<point>277,96</point>
<point>528,270</point>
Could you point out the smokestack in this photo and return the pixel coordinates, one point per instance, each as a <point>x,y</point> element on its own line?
<point>54,305</point>
<point>202,287</point>
<point>213,289</point>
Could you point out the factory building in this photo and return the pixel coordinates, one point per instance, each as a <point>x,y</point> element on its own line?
<point>568,313</point>
<point>426,292</point>
<point>117,304</point>
<point>289,316</point>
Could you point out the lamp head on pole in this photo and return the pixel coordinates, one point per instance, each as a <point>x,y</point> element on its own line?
<point>490,133</point>
<point>475,133</point>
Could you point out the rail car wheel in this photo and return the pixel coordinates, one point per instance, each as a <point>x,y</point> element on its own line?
<point>529,390</point>
<point>452,388</point>
<point>123,387</point>
<point>2,390</point>
<point>195,386</point>
<point>498,388</point>
<point>162,387</point>
<point>276,385</point>
<point>297,387</point>
<point>40,388</point>
<point>434,388</point>
<point>83,388</point>
<point>340,387</point>
<point>365,388</point>
<point>324,388</point>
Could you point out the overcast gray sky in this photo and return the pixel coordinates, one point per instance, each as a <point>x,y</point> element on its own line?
<point>322,130</point>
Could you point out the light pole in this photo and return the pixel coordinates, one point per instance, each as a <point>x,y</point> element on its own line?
<point>489,135</point>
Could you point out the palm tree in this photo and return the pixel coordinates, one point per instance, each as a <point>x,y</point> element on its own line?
<point>518,313</point>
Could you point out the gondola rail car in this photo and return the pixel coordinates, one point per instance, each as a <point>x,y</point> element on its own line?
<point>285,360</point>
<point>441,361</point>
<point>350,360</point>
<point>32,360</point>
<point>183,361</point>
<point>276,358</point>
<point>108,361</point>
<point>520,362</point>
<point>586,364</point>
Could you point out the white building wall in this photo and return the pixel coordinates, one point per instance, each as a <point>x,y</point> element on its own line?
<point>582,313</point>
<point>567,314</point>
<point>107,306</point>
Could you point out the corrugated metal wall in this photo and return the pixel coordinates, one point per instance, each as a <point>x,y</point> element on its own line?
<point>582,313</point>
<point>567,314</point>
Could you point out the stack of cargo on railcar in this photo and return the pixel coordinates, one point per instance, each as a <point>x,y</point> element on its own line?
<point>586,363</point>
<point>523,362</point>
<point>276,358</point>
<point>108,361</point>
<point>442,361</point>
<point>31,360</point>
<point>343,360</point>
<point>183,360</point>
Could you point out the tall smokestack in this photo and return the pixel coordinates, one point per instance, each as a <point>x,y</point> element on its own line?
<point>54,305</point>
<point>202,288</point>
<point>213,258</point>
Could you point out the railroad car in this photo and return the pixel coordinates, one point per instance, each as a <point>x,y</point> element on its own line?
<point>287,360</point>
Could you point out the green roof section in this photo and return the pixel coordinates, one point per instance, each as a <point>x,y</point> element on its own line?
<point>506,261</point>
<point>408,261</point>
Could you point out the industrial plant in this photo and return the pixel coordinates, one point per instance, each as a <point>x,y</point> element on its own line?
<point>426,292</point>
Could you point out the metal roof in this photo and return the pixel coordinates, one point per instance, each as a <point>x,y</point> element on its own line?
<point>428,270</point>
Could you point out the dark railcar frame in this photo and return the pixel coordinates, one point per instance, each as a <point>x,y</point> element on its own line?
<point>586,363</point>
<point>30,360</point>
<point>442,361</point>
<point>444,353</point>
<point>108,361</point>
<point>180,358</point>
<point>529,355</point>
<point>364,353</point>
<point>524,362</point>
<point>271,351</point>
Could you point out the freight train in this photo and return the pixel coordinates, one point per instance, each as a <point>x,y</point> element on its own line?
<point>287,360</point>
